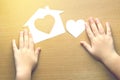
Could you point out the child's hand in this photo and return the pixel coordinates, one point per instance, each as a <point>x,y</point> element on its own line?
<point>26,58</point>
<point>102,46</point>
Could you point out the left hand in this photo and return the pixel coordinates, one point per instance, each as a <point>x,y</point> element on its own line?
<point>26,58</point>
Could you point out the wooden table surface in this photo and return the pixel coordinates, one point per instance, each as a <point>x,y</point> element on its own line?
<point>62,58</point>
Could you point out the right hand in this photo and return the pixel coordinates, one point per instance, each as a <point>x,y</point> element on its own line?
<point>102,46</point>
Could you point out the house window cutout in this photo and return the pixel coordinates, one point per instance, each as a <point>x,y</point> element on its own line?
<point>45,24</point>
<point>57,29</point>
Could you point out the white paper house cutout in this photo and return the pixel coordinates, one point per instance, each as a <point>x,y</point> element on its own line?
<point>57,29</point>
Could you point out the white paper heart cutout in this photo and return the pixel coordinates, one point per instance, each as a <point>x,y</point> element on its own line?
<point>75,28</point>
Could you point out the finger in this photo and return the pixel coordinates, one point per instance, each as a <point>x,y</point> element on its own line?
<point>86,46</point>
<point>89,32</point>
<point>31,43</point>
<point>108,28</point>
<point>37,51</point>
<point>26,38</point>
<point>14,45</point>
<point>100,27</point>
<point>21,40</point>
<point>93,26</point>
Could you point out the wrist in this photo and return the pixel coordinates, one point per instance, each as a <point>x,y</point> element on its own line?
<point>21,72</point>
<point>22,69</point>
<point>112,57</point>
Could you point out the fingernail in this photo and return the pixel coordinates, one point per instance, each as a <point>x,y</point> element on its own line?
<point>13,40</point>
<point>30,33</point>
<point>107,23</point>
<point>91,20</point>
<point>39,49</point>
<point>81,42</point>
<point>21,32</point>
<point>86,25</point>
<point>25,30</point>
<point>97,20</point>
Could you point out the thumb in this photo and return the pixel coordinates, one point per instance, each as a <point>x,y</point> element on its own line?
<point>14,45</point>
<point>86,46</point>
<point>37,51</point>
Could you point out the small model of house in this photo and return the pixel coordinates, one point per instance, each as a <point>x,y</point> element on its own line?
<point>57,29</point>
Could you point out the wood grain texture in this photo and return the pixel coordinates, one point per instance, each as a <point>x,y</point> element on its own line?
<point>62,57</point>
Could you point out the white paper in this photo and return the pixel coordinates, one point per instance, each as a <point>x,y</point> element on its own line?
<point>75,28</point>
<point>57,29</point>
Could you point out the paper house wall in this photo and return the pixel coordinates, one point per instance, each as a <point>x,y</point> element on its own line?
<point>57,29</point>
